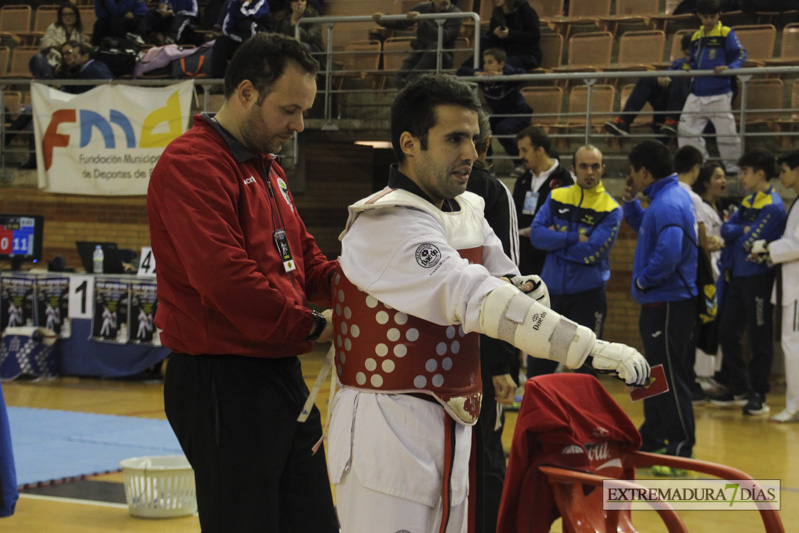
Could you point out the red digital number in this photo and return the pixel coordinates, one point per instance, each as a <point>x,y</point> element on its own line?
<point>6,241</point>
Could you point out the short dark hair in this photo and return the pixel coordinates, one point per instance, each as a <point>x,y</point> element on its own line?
<point>653,156</point>
<point>685,41</point>
<point>705,173</point>
<point>414,108</point>
<point>687,158</point>
<point>538,137</point>
<point>708,7</point>
<point>262,59</point>
<point>498,54</point>
<point>483,138</point>
<point>791,159</point>
<point>759,159</point>
<point>83,48</point>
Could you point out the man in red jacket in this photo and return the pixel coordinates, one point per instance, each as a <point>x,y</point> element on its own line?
<point>237,271</point>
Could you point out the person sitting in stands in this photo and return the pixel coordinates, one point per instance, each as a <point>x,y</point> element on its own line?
<point>503,97</point>
<point>67,27</point>
<point>310,34</point>
<point>666,96</point>
<point>118,18</point>
<point>79,64</point>
<point>243,19</point>
<point>515,28</point>
<point>171,22</point>
<point>424,56</point>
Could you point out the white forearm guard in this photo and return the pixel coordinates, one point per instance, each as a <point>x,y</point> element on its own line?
<point>510,315</point>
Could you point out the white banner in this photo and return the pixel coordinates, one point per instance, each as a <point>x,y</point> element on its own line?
<point>105,141</point>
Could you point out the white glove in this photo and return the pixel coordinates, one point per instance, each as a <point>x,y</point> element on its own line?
<point>626,362</point>
<point>759,252</point>
<point>760,246</point>
<point>538,292</point>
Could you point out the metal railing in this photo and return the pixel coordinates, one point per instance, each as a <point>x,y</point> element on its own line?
<point>588,133</point>
<point>330,22</point>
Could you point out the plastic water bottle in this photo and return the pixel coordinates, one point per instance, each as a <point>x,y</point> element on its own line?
<point>98,260</point>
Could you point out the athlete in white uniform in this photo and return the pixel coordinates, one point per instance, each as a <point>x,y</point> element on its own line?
<point>785,253</point>
<point>419,279</point>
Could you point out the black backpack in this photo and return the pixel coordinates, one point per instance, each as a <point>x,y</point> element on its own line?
<point>120,55</point>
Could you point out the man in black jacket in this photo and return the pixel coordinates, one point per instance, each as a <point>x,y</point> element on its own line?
<point>424,56</point>
<point>543,173</point>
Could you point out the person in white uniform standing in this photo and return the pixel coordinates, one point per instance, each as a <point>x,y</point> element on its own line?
<point>419,279</point>
<point>784,252</point>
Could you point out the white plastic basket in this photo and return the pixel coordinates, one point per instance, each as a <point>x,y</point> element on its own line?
<point>159,486</point>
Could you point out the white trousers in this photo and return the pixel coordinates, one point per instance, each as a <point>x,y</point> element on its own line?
<point>696,113</point>
<point>363,510</point>
<point>706,365</point>
<point>790,347</point>
<point>386,456</point>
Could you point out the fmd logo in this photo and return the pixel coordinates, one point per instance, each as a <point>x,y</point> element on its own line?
<point>90,123</point>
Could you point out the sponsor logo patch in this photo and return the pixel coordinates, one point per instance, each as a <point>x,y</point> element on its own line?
<point>428,255</point>
<point>284,190</point>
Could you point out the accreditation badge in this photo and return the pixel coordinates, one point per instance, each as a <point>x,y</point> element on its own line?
<point>530,203</point>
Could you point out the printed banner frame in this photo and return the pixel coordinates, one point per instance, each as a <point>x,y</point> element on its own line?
<point>106,141</point>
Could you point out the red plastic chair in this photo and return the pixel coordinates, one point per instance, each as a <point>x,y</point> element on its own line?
<point>570,436</point>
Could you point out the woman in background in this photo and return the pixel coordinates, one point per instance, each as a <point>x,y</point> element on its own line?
<point>67,27</point>
<point>711,186</point>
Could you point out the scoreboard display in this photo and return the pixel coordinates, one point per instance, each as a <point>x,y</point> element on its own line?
<point>21,238</point>
<point>17,235</point>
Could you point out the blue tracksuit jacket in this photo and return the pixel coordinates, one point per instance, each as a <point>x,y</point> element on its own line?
<point>663,252</point>
<point>571,266</point>
<point>764,214</point>
<point>719,46</point>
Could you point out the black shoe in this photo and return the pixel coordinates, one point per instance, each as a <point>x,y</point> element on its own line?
<point>698,396</point>
<point>669,128</point>
<point>617,126</point>
<point>727,399</point>
<point>756,405</point>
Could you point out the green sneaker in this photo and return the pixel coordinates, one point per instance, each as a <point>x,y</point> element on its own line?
<point>667,471</point>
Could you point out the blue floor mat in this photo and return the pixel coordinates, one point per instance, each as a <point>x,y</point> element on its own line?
<point>52,445</point>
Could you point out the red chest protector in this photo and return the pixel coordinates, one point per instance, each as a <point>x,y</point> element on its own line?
<point>381,349</point>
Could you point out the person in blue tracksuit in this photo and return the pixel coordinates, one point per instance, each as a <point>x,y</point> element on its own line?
<point>577,226</point>
<point>747,295</point>
<point>713,47</point>
<point>664,283</point>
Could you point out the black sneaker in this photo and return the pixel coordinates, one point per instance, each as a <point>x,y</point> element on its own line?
<point>756,405</point>
<point>698,396</point>
<point>728,399</point>
<point>617,126</point>
<point>669,128</point>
